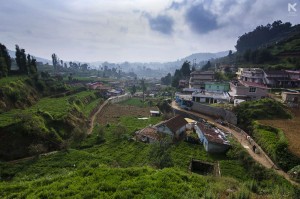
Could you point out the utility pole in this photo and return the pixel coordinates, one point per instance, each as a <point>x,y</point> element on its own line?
<point>143,87</point>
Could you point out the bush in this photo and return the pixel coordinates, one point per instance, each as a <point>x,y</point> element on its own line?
<point>273,141</point>
<point>36,149</point>
<point>160,155</point>
<point>119,131</point>
<point>100,135</point>
<point>295,173</point>
<point>249,111</point>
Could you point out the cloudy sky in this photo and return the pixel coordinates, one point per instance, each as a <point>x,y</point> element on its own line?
<point>133,30</point>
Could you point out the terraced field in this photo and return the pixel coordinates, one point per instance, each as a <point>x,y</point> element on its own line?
<point>291,129</point>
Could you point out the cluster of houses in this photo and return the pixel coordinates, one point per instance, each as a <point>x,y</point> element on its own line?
<point>107,91</point>
<point>116,88</point>
<point>213,139</point>
<point>250,84</point>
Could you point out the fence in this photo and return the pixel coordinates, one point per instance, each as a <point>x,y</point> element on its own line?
<point>252,142</point>
<point>117,99</point>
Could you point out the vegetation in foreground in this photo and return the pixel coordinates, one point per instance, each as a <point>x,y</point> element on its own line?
<point>50,124</point>
<point>290,127</point>
<point>272,140</point>
<point>108,164</point>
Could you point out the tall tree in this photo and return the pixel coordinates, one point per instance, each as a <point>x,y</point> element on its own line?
<point>55,62</point>
<point>18,57</point>
<point>186,69</point>
<point>143,88</point>
<point>5,62</point>
<point>28,61</point>
<point>133,90</point>
<point>33,66</point>
<point>167,80</point>
<point>6,59</point>
<point>3,67</point>
<point>206,66</point>
<point>21,60</point>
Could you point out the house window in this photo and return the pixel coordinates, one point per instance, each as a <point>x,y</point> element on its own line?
<point>252,90</point>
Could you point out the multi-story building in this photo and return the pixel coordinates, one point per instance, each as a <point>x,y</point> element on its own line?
<point>251,75</point>
<point>198,79</point>
<point>247,90</point>
<point>270,78</point>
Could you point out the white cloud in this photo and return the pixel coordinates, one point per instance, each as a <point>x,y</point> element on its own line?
<point>91,30</point>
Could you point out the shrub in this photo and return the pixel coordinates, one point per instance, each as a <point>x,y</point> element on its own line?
<point>295,173</point>
<point>119,131</point>
<point>100,135</point>
<point>273,141</point>
<point>36,149</point>
<point>249,111</point>
<point>160,155</point>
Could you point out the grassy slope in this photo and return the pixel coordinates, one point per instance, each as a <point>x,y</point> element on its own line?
<point>109,169</point>
<point>290,128</point>
<point>135,102</point>
<point>290,45</point>
<point>57,107</point>
<point>103,182</point>
<point>271,139</point>
<point>45,125</point>
<point>7,80</point>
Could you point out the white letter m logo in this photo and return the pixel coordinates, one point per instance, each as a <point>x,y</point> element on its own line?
<point>292,7</point>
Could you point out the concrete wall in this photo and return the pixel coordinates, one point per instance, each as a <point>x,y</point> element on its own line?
<point>215,112</point>
<point>120,98</point>
<point>217,148</point>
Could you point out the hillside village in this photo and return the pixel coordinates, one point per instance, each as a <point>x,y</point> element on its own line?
<point>207,131</point>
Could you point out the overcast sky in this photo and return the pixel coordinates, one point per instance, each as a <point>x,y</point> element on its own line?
<point>133,30</point>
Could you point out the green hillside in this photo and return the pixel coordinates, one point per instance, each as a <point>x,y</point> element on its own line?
<point>273,46</point>
<point>33,124</point>
<point>106,165</point>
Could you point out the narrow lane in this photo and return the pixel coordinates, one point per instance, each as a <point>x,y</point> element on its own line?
<point>262,158</point>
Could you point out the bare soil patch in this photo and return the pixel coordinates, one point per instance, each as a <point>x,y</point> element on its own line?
<point>291,129</point>
<point>113,112</point>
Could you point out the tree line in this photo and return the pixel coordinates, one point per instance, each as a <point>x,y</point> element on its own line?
<point>5,61</point>
<point>262,36</point>
<point>182,73</point>
<point>26,63</point>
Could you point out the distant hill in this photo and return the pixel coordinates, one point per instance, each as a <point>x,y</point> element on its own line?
<point>12,54</point>
<point>273,47</point>
<point>199,57</point>
<point>149,69</point>
<point>159,69</point>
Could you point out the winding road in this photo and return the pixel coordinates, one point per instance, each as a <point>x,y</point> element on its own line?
<point>93,117</point>
<point>262,158</point>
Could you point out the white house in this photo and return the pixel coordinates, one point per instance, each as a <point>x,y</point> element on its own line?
<point>174,127</point>
<point>213,139</point>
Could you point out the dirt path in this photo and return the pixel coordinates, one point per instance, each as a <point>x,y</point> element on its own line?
<point>261,158</point>
<point>94,116</point>
<point>90,130</point>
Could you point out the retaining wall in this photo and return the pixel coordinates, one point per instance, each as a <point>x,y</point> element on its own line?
<point>215,112</point>
<point>118,99</point>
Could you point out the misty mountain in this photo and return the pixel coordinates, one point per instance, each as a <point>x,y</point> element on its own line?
<point>160,69</point>
<point>12,54</point>
<point>149,69</point>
